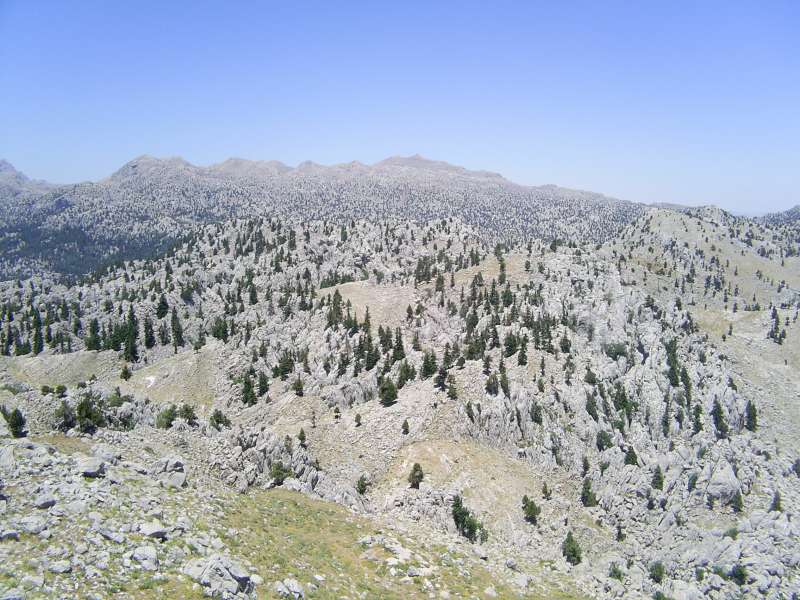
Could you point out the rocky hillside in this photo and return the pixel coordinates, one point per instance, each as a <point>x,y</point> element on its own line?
<point>526,419</point>
<point>150,203</point>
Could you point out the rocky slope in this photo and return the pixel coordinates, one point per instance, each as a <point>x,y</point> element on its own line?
<point>610,385</point>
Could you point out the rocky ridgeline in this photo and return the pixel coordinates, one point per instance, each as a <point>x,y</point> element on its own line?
<point>148,203</point>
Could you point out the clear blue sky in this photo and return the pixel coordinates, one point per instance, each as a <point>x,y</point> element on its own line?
<point>695,102</point>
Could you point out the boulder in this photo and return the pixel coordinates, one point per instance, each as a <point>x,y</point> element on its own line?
<point>723,484</point>
<point>147,556</point>
<point>44,501</point>
<point>154,529</point>
<point>60,567</point>
<point>220,577</point>
<point>32,524</point>
<point>91,466</point>
<point>289,588</point>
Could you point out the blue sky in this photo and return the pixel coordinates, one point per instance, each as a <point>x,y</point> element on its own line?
<point>695,102</point>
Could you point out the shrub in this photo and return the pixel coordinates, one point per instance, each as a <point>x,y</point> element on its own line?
<point>737,503</point>
<point>603,440</point>
<point>125,374</point>
<point>416,476</point>
<point>65,417</point>
<point>166,417</point>
<point>571,549</point>
<point>89,414</point>
<point>218,420</point>
<point>657,571</point>
<point>15,421</point>
<point>279,472</point>
<point>466,523</point>
<point>405,427</point>
<point>738,574</point>
<point>615,572</point>
<point>116,399</point>
<point>361,485</point>
<point>614,351</point>
<point>531,510</point>
<point>187,413</point>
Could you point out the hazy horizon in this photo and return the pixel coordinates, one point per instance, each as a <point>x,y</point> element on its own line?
<point>680,104</point>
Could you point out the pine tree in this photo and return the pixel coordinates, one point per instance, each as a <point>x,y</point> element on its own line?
<point>531,510</point>
<point>492,385</point>
<point>588,497</point>
<point>248,394</point>
<point>177,331</point>
<point>163,307</point>
<point>149,333</point>
<point>751,416</point>
<point>416,476</point>
<point>522,356</point>
<point>440,381</point>
<point>387,392</point>
<point>452,392</point>
<point>658,479</point>
<point>571,550</point>
<point>719,420</point>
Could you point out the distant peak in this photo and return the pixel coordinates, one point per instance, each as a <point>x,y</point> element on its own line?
<point>7,167</point>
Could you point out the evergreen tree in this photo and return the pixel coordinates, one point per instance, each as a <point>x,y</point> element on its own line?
<point>177,331</point>
<point>163,307</point>
<point>416,476</point>
<point>15,421</point>
<point>387,392</point>
<point>751,416</point>
<point>658,479</point>
<point>531,510</point>
<point>440,381</point>
<point>452,392</point>
<point>571,550</point>
<point>248,394</point>
<point>149,333</point>
<point>522,356</point>
<point>587,495</point>
<point>720,424</point>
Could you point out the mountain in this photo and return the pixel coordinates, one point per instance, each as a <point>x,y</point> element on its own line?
<point>789,217</point>
<point>14,184</point>
<point>149,203</point>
